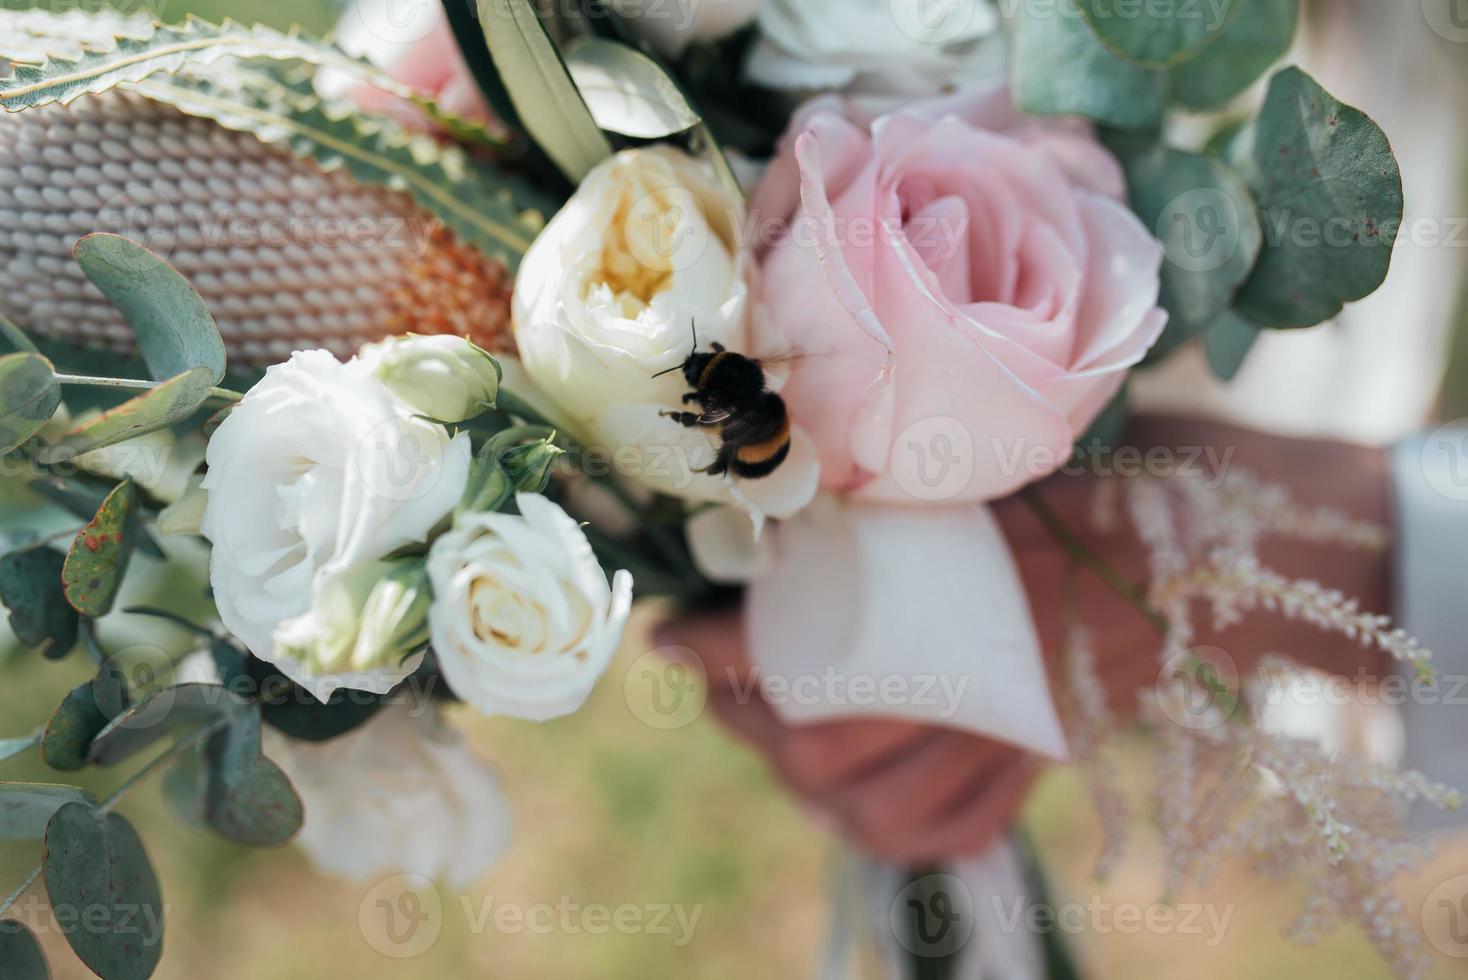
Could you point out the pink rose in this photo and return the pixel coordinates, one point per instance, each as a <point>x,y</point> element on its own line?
<point>962,280</point>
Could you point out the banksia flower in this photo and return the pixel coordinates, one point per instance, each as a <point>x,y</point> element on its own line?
<point>286,255</point>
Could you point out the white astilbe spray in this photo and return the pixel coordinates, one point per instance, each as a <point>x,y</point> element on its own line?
<point>1225,787</point>
<point>1088,722</point>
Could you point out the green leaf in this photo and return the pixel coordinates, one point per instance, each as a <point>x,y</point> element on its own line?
<point>1158,33</point>
<point>26,808</point>
<point>1330,201</point>
<point>171,402</point>
<point>16,337</point>
<point>291,709</point>
<point>1060,68</point>
<point>174,329</point>
<point>626,91</point>
<point>30,587</point>
<point>1227,342</point>
<point>20,954</point>
<point>100,553</point>
<point>1205,219</point>
<point>168,713</point>
<point>1257,35</point>
<point>29,394</point>
<point>248,798</point>
<point>97,870</point>
<point>498,213</point>
<point>82,716</point>
<point>545,97</point>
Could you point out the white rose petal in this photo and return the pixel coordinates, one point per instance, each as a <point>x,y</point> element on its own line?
<point>402,794</point>
<point>523,621</point>
<point>318,468</point>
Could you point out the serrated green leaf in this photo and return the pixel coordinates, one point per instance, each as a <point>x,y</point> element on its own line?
<point>173,711</point>
<point>248,799</point>
<point>29,394</point>
<point>83,714</point>
<point>1330,201</point>
<point>626,91</point>
<point>492,210</point>
<point>96,868</point>
<point>545,97</point>
<point>20,954</point>
<point>1060,68</point>
<point>174,329</point>
<point>26,808</point>
<point>100,553</point>
<point>1158,33</point>
<point>1227,342</point>
<point>1257,35</point>
<point>1205,219</point>
<point>30,587</point>
<point>168,404</point>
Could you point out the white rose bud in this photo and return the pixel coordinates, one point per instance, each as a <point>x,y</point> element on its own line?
<point>317,470</point>
<point>371,618</point>
<point>523,622</point>
<point>609,295</point>
<point>443,377</point>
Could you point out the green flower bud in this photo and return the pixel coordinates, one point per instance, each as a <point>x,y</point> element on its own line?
<point>395,617</point>
<point>444,377</point>
<point>369,617</point>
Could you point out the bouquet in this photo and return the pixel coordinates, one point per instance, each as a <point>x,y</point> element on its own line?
<point>695,310</point>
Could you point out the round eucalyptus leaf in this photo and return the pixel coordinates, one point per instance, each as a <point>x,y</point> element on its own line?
<point>174,329</point>
<point>1227,342</point>
<point>100,553</point>
<point>30,587</point>
<point>103,892</point>
<point>1257,35</point>
<point>1158,33</point>
<point>81,716</point>
<point>20,954</point>
<point>171,402</point>
<point>170,712</point>
<point>26,808</point>
<point>249,799</point>
<point>29,394</point>
<point>1330,203</point>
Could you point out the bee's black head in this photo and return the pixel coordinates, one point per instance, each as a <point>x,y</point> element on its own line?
<point>694,365</point>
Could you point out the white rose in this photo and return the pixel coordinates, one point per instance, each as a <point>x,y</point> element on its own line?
<point>672,25</point>
<point>402,794</point>
<point>318,468</point>
<point>523,621</point>
<point>610,294</point>
<point>877,47</point>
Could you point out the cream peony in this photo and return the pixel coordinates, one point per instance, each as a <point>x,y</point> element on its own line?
<point>523,621</point>
<point>876,47</point>
<point>610,294</point>
<point>317,469</point>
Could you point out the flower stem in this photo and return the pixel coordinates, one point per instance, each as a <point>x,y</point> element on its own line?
<point>137,384</point>
<point>1088,559</point>
<point>15,895</point>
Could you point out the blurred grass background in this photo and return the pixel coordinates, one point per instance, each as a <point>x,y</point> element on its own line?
<point>612,811</point>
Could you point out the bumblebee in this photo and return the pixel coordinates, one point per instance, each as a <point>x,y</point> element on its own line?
<point>753,425</point>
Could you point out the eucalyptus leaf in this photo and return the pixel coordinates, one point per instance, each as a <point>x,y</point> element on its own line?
<point>1256,36</point>
<point>26,808</point>
<point>168,404</point>
<point>174,329</point>
<point>16,337</point>
<point>1205,219</point>
<point>29,394</point>
<point>1227,342</point>
<point>1061,68</point>
<point>20,954</point>
<point>100,553</point>
<point>546,99</point>
<point>1330,202</point>
<point>248,799</point>
<point>626,91</point>
<point>1157,33</point>
<point>291,709</point>
<point>96,869</point>
<point>182,710</point>
<point>30,587</point>
<point>81,716</point>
